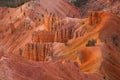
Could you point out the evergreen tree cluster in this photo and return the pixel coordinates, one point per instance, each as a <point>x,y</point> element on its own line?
<point>79,3</point>
<point>12,3</point>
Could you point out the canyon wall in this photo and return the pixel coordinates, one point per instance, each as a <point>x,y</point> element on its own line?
<point>93,17</point>
<point>12,27</point>
<point>43,36</point>
<point>36,51</point>
<point>63,35</point>
<point>48,20</point>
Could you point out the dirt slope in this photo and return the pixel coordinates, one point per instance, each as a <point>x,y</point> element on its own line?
<point>101,5</point>
<point>100,57</point>
<point>18,24</point>
<point>70,60</point>
<point>16,68</point>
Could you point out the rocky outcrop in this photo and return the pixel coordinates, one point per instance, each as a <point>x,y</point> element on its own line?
<point>69,28</point>
<point>63,35</point>
<point>29,17</point>
<point>48,20</point>
<point>79,32</point>
<point>93,17</point>
<point>101,5</point>
<point>12,28</point>
<point>60,31</point>
<point>37,51</point>
<point>43,36</point>
<point>27,24</point>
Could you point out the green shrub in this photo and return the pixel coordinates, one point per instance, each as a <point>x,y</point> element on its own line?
<point>115,39</point>
<point>91,42</point>
<point>79,3</point>
<point>12,3</point>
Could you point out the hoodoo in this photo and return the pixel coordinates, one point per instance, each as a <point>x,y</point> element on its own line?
<point>59,40</point>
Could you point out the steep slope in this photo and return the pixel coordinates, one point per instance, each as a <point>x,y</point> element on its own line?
<point>18,24</point>
<point>16,68</point>
<point>105,54</point>
<point>65,46</point>
<point>98,5</point>
<point>13,3</point>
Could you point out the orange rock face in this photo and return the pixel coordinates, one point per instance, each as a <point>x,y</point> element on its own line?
<point>101,5</point>
<point>48,20</point>
<point>63,35</point>
<point>37,51</point>
<point>43,37</point>
<point>25,70</point>
<point>60,31</point>
<point>29,18</point>
<point>93,18</point>
<point>12,28</point>
<point>47,40</point>
<point>103,56</point>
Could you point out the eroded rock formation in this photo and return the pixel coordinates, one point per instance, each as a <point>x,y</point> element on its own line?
<point>93,17</point>
<point>101,5</point>
<point>37,51</point>
<point>43,36</point>
<point>12,27</point>
<point>27,24</point>
<point>79,32</point>
<point>48,20</point>
<point>63,35</point>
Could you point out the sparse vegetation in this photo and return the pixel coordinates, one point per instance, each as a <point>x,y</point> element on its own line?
<point>104,78</point>
<point>115,39</point>
<point>91,42</point>
<point>79,3</point>
<point>12,3</point>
